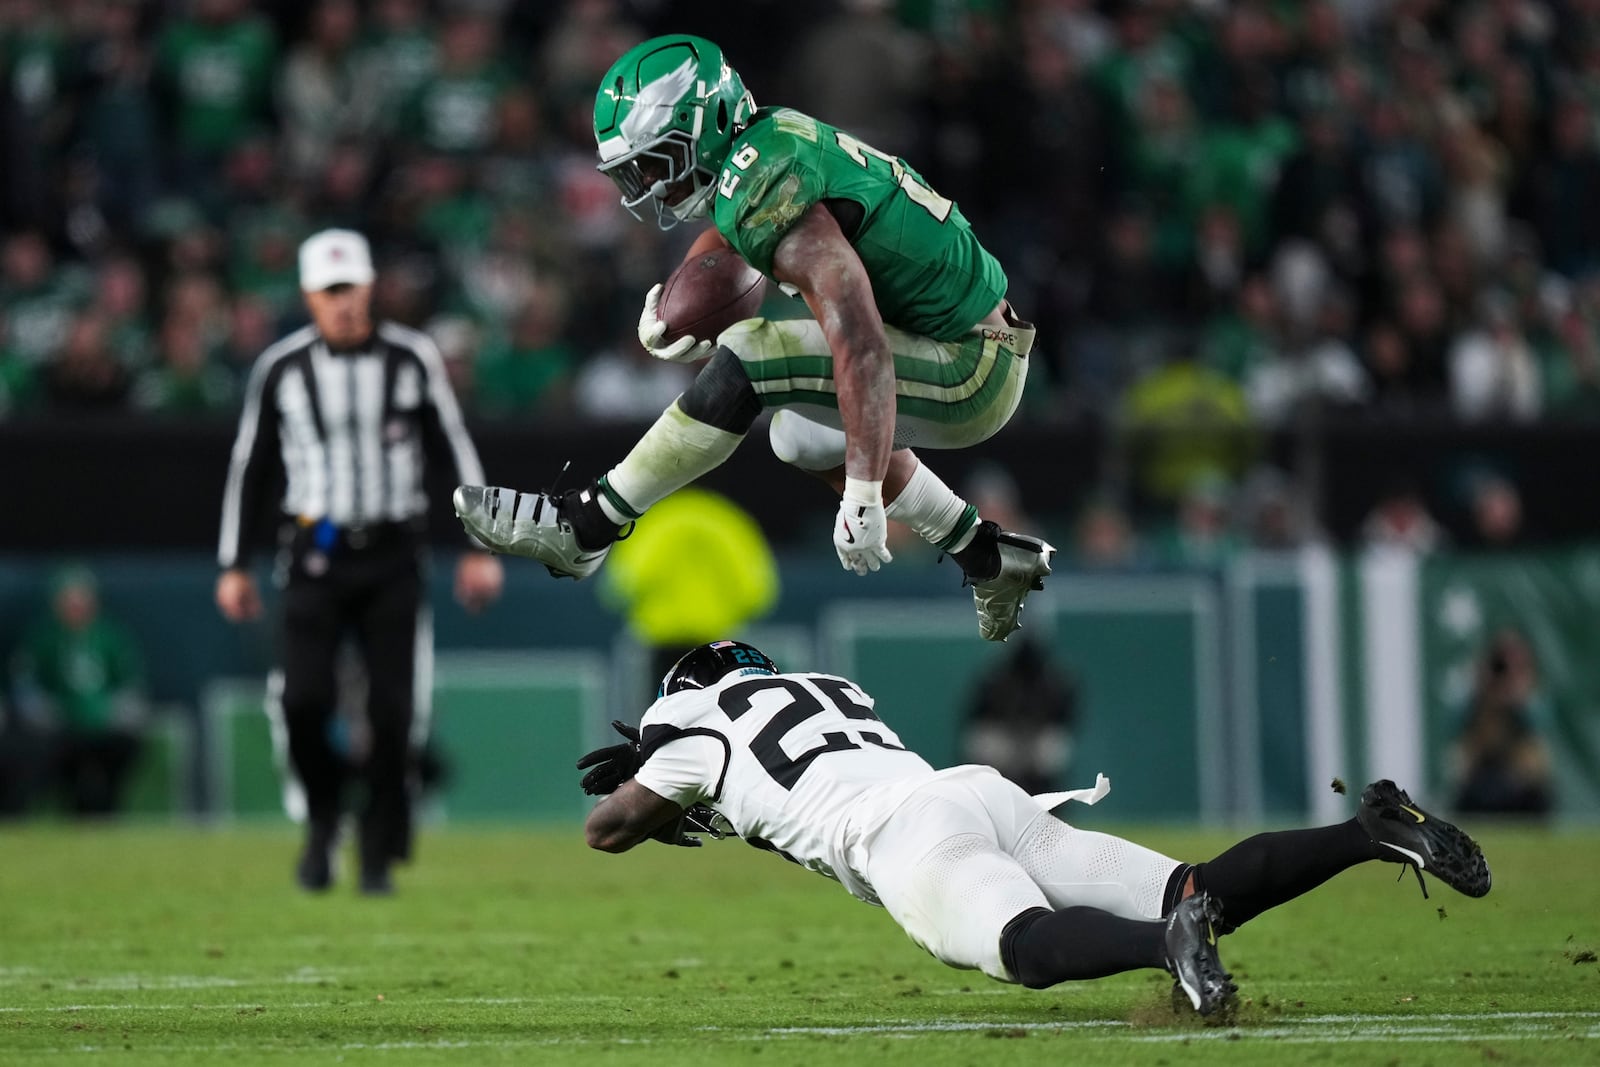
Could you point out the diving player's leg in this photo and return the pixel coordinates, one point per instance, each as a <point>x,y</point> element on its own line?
<point>940,870</point>
<point>1269,869</point>
<point>572,533</point>
<point>1074,867</point>
<point>1106,898</point>
<point>1085,867</point>
<point>972,906</point>
<point>1042,948</point>
<point>937,868</point>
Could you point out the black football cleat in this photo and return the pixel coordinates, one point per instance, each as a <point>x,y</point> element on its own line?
<point>1192,954</point>
<point>1423,841</point>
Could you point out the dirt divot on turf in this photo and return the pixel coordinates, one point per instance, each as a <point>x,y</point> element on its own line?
<point>1172,1012</point>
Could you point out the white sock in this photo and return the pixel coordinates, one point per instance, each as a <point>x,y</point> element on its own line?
<point>672,453</point>
<point>932,509</point>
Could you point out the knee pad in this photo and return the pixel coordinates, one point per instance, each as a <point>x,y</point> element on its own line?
<point>1017,931</point>
<point>808,445</point>
<point>721,394</point>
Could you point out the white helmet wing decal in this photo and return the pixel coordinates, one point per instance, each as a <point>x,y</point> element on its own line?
<point>652,108</point>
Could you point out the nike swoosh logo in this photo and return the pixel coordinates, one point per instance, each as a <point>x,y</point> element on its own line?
<point>589,559</point>
<point>1414,813</point>
<point>1414,857</point>
<point>849,537</point>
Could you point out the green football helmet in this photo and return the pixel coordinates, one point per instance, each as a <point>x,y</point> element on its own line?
<point>665,119</point>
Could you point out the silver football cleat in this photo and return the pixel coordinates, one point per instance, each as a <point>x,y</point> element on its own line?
<point>1024,562</point>
<point>528,525</point>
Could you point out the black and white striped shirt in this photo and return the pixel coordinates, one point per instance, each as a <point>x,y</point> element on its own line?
<point>352,431</point>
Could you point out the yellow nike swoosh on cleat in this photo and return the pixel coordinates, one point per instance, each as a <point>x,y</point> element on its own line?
<point>1415,813</point>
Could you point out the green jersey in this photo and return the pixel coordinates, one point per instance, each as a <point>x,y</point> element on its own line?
<point>221,79</point>
<point>81,676</point>
<point>929,274</point>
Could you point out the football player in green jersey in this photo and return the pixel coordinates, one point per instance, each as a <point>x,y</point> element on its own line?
<point>913,342</point>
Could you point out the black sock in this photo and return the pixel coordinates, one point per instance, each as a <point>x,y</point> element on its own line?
<point>1042,947</point>
<point>1270,869</point>
<point>592,526</point>
<point>980,560</point>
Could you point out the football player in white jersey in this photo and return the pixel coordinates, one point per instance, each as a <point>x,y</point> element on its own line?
<point>975,870</point>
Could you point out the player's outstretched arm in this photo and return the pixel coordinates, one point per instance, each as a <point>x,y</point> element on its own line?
<point>630,815</point>
<point>815,257</point>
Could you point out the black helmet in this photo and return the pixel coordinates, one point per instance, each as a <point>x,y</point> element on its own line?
<point>703,667</point>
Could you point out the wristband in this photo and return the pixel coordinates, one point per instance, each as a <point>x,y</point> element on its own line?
<point>861,491</point>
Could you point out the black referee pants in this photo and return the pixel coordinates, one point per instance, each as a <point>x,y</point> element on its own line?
<point>373,594</point>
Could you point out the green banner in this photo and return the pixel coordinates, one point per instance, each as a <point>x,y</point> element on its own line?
<point>1510,643</point>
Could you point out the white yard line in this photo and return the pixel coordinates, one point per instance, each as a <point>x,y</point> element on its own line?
<point>64,982</point>
<point>1444,1027</point>
<point>351,997</point>
<point>1103,1033</point>
<point>1437,1028</point>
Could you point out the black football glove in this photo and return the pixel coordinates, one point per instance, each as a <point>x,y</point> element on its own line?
<point>673,833</point>
<point>613,764</point>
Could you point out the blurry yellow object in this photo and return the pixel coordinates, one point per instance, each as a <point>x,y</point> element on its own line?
<point>696,568</point>
<point>1185,422</point>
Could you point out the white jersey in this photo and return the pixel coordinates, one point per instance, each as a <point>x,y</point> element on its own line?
<point>798,763</point>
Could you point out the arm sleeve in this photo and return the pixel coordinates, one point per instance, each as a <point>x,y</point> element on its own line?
<point>687,768</point>
<point>254,450</point>
<point>445,441</point>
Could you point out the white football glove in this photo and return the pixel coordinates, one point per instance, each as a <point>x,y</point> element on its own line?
<point>860,536</point>
<point>683,350</point>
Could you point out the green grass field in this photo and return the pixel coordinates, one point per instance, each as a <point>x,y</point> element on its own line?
<point>147,945</point>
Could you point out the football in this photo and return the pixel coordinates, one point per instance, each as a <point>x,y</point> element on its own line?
<point>711,290</point>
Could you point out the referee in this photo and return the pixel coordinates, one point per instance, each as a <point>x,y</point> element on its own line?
<point>350,415</point>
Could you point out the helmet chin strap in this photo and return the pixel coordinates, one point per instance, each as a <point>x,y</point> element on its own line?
<point>693,206</point>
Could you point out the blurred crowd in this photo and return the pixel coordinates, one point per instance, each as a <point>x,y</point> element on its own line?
<point>1226,216</point>
<point>1262,207</point>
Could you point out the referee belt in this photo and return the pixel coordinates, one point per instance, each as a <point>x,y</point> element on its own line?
<point>324,535</point>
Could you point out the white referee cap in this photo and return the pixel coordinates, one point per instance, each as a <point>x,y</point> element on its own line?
<point>335,257</point>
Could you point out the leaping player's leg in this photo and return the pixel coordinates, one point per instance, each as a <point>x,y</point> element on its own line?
<point>693,437</point>
<point>912,492</point>
<point>948,395</point>
<point>571,534</point>
<point>1002,567</point>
